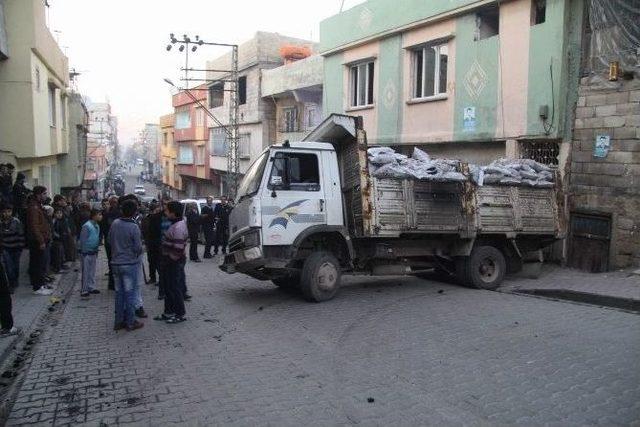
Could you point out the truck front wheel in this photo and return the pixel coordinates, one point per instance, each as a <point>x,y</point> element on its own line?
<point>320,278</point>
<point>484,268</point>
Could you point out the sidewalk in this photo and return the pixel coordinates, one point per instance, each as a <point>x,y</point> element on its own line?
<point>27,307</point>
<point>554,281</point>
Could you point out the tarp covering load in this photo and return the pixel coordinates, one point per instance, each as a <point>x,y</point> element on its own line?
<point>384,162</point>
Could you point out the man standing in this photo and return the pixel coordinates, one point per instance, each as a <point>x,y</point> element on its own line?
<point>38,237</point>
<point>89,243</point>
<point>221,215</point>
<point>193,226</point>
<point>11,244</point>
<point>6,318</point>
<point>20,194</point>
<point>174,242</point>
<point>152,237</point>
<point>208,227</point>
<point>125,241</point>
<point>108,217</point>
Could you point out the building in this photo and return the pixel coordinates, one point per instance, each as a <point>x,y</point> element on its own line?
<point>72,165</point>
<point>150,137</point>
<point>604,194</point>
<point>34,76</point>
<point>96,166</point>
<point>169,153</point>
<point>475,80</point>
<point>257,115</point>
<point>190,136</point>
<point>296,90</point>
<point>102,144</point>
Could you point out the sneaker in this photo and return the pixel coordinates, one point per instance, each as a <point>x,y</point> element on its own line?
<point>176,319</point>
<point>9,332</point>
<point>43,291</point>
<point>94,291</point>
<point>50,287</point>
<point>85,294</point>
<point>141,313</point>
<point>136,325</point>
<point>164,317</point>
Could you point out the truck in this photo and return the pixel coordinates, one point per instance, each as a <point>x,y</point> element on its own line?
<point>308,212</point>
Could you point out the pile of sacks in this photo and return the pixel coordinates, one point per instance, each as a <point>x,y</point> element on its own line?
<point>384,162</point>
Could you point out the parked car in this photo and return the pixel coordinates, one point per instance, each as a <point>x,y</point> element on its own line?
<point>139,189</point>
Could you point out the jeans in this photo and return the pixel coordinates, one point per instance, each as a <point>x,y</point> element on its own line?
<point>107,248</point>
<point>37,265</point>
<point>222,239</point>
<point>174,284</point>
<point>125,281</point>
<point>11,260</point>
<point>88,272</point>
<point>210,240</point>
<point>138,288</point>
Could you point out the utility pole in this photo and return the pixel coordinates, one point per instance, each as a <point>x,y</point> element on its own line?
<point>229,76</point>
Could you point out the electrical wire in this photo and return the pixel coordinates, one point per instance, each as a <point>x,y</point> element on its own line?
<point>547,130</point>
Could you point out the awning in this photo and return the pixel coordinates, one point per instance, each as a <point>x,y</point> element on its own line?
<point>335,128</point>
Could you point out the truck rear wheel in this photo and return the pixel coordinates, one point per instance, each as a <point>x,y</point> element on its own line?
<point>320,278</point>
<point>483,269</point>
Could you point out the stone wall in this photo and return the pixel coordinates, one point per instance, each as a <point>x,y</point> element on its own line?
<point>611,184</point>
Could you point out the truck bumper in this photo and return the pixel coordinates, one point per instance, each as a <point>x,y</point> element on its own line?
<point>253,262</point>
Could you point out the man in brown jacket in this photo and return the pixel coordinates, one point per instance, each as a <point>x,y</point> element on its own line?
<point>38,237</point>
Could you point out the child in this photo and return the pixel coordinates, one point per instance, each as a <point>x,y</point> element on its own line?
<point>174,242</point>
<point>89,242</point>
<point>60,235</point>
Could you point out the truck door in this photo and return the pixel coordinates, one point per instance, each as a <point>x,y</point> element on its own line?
<point>293,199</point>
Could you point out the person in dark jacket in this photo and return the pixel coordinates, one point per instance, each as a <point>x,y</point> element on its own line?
<point>60,234</point>
<point>38,237</point>
<point>20,195</point>
<point>152,234</point>
<point>221,215</point>
<point>208,227</point>
<point>11,244</point>
<point>193,227</point>
<point>108,217</point>
<point>6,318</point>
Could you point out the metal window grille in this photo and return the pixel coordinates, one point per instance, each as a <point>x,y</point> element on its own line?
<point>545,152</point>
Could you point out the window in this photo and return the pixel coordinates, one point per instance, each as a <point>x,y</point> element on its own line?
<point>218,141</point>
<point>200,153</point>
<point>545,152</point>
<point>165,138</point>
<point>290,119</point>
<point>63,111</point>
<point>242,90</point>
<point>199,117</point>
<point>216,95</point>
<point>430,71</point>
<point>185,155</point>
<point>487,23</point>
<point>362,84</point>
<point>311,117</point>
<point>244,146</point>
<point>295,172</point>
<point>252,179</point>
<point>538,11</point>
<point>183,119</point>
<point>52,106</point>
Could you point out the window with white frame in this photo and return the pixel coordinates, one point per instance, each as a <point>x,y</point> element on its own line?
<point>185,155</point>
<point>361,84</point>
<point>244,146</point>
<point>430,71</point>
<point>183,119</point>
<point>52,106</point>
<point>218,141</point>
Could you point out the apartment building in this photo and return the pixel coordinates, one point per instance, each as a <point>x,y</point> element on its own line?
<point>296,91</point>
<point>257,115</point>
<point>34,76</point>
<point>169,153</point>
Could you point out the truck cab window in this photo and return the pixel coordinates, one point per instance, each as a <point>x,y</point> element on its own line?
<point>295,172</point>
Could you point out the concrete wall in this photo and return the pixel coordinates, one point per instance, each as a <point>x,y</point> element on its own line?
<point>72,164</point>
<point>609,185</point>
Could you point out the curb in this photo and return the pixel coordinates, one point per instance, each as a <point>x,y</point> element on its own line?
<point>627,304</point>
<point>15,361</point>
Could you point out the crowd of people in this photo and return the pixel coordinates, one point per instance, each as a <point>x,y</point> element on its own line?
<point>55,230</point>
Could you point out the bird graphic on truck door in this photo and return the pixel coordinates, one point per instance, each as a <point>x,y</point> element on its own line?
<point>284,215</point>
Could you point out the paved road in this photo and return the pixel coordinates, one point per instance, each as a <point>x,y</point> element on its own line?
<point>131,181</point>
<point>386,351</point>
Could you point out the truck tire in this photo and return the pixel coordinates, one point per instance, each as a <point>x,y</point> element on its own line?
<point>483,269</point>
<point>320,278</point>
<point>287,282</point>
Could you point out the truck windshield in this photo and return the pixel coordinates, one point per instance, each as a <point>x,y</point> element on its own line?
<point>251,182</point>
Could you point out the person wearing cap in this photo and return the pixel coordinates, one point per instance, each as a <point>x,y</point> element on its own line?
<point>38,237</point>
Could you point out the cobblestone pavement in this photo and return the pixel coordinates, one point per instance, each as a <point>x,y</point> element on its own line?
<point>385,351</point>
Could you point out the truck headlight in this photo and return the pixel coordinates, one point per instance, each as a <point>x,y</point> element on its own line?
<point>251,239</point>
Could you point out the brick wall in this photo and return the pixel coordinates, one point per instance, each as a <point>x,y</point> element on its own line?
<point>611,184</point>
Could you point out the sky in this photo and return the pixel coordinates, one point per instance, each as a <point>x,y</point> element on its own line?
<point>119,46</point>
